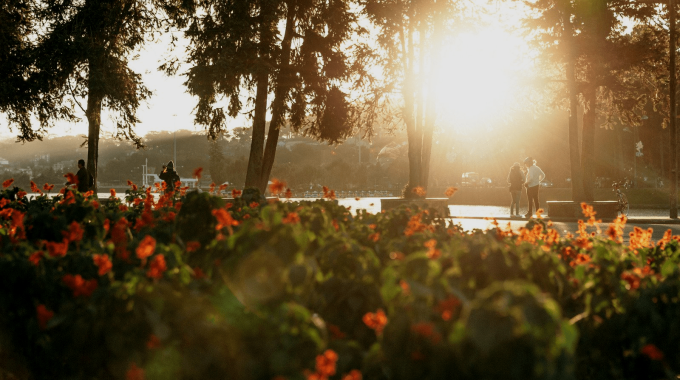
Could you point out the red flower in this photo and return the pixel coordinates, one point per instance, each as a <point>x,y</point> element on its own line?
<point>289,194</point>
<point>212,188</point>
<point>197,173</point>
<point>34,188</point>
<point>113,193</point>
<point>447,307</point>
<point>134,373</point>
<point>146,248</point>
<point>47,187</point>
<point>103,263</point>
<point>74,233</point>
<point>71,178</point>
<point>157,267</point>
<point>57,249</point>
<point>169,217</point>
<point>376,321</point>
<point>95,204</point>
<point>198,273</point>
<point>276,186</point>
<point>193,246</point>
<point>153,342</point>
<point>335,331</point>
<point>354,374</point>
<point>235,193</point>
<point>21,194</point>
<point>223,187</point>
<point>44,315</point>
<point>291,218</point>
<point>7,183</point>
<point>374,237</point>
<point>35,257</point>
<point>652,352</point>
<point>79,286</point>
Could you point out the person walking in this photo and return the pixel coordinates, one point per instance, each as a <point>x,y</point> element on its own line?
<point>516,180</point>
<point>533,180</point>
<point>169,176</point>
<point>83,177</point>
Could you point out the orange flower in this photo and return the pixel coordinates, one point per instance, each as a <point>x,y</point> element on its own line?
<point>57,249</point>
<point>580,259</point>
<point>74,233</point>
<point>47,187</point>
<point>212,188</point>
<point>291,218</point>
<point>253,204</point>
<point>103,263</point>
<point>198,172</point>
<point>35,257</point>
<point>288,194</point>
<point>632,280</point>
<point>44,315</point>
<point>224,219</point>
<point>21,194</point>
<point>376,321</point>
<point>157,267</point>
<point>414,225</point>
<point>78,285</point>
<point>276,186</point>
<point>450,191</point>
<point>374,237</point>
<point>235,193</point>
<point>652,352</point>
<point>328,194</point>
<point>113,193</point>
<point>7,183</point>
<point>354,374</point>
<point>134,373</point>
<point>71,178</point>
<point>325,363</point>
<point>432,251</point>
<point>419,191</point>
<point>146,248</point>
<point>193,246</point>
<point>223,187</point>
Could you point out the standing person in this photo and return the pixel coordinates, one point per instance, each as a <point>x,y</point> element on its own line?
<point>169,176</point>
<point>84,182</point>
<point>534,177</point>
<point>516,180</point>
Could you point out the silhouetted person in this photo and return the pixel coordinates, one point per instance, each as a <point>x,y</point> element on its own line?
<point>83,177</point>
<point>534,177</point>
<point>169,176</point>
<point>516,180</point>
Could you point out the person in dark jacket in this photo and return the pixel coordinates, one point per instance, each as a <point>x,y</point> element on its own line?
<point>169,176</point>
<point>516,180</point>
<point>83,177</point>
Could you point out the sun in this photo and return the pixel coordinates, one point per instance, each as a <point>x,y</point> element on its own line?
<point>478,80</point>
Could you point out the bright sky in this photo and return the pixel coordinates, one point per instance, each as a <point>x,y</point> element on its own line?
<point>477,85</point>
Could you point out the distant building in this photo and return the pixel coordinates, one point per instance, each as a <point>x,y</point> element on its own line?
<point>41,157</point>
<point>61,165</point>
<point>4,163</point>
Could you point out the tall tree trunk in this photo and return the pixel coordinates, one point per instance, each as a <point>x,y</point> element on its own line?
<point>588,143</point>
<point>431,110</point>
<point>280,93</point>
<point>254,171</point>
<point>577,191</point>
<point>411,120</point>
<point>94,119</point>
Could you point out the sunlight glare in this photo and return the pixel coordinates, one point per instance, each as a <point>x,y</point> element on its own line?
<point>478,80</point>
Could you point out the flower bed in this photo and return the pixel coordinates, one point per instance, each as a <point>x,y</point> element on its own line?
<point>197,288</point>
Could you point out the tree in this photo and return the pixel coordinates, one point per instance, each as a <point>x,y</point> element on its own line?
<point>583,43</point>
<point>236,52</point>
<point>410,35</point>
<point>217,163</point>
<point>83,53</point>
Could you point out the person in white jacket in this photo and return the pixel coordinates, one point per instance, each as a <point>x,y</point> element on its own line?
<point>533,181</point>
